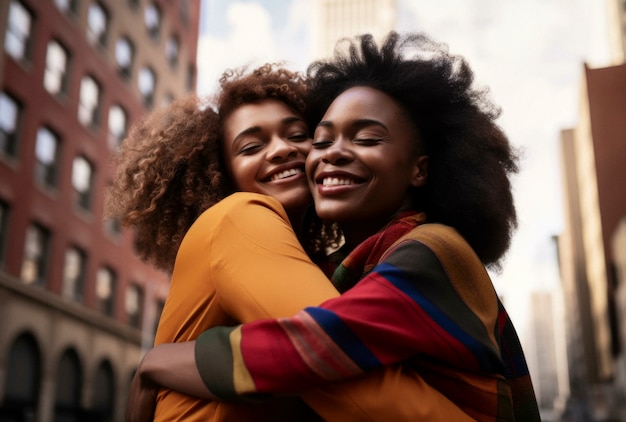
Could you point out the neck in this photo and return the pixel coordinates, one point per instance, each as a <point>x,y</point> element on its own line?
<point>355,232</point>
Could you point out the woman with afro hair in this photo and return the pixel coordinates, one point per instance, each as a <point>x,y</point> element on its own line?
<point>214,190</point>
<point>409,161</point>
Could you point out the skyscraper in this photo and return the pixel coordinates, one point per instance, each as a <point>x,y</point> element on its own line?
<point>335,19</point>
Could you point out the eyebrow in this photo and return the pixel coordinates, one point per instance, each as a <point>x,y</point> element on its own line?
<point>358,123</point>
<point>256,129</point>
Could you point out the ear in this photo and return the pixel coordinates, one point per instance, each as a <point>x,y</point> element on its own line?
<point>420,171</point>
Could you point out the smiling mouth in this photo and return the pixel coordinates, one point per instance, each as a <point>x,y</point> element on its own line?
<point>285,174</point>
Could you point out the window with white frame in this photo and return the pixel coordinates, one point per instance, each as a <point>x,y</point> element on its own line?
<point>117,126</point>
<point>146,81</point>
<point>124,55</point>
<point>35,261</point>
<point>46,157</point>
<point>66,6</point>
<point>105,290</point>
<point>134,305</point>
<point>18,31</point>
<point>172,50</point>
<point>10,111</point>
<point>82,182</point>
<point>152,19</point>
<point>73,274</point>
<point>88,101</point>
<point>55,75</point>
<point>97,24</point>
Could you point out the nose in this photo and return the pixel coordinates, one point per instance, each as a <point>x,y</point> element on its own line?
<point>338,153</point>
<point>280,149</point>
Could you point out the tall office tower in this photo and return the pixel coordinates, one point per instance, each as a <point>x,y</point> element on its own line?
<point>543,353</point>
<point>616,11</point>
<point>335,19</point>
<point>593,154</point>
<point>77,308</point>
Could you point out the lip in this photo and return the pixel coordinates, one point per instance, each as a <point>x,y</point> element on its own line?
<point>297,166</point>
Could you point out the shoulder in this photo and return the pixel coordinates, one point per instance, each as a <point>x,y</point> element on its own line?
<point>242,204</point>
<point>443,241</point>
<point>440,252</point>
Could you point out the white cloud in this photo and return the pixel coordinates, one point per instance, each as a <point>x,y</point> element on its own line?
<point>250,41</point>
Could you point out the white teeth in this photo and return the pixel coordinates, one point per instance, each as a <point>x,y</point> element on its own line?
<point>335,181</point>
<point>286,173</point>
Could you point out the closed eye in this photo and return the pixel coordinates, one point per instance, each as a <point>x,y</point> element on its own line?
<point>299,137</point>
<point>250,149</point>
<point>321,144</point>
<point>369,141</point>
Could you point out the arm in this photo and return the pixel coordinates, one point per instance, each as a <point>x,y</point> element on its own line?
<point>400,310</point>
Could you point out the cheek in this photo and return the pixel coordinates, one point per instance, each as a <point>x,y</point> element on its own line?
<point>242,173</point>
<point>311,163</point>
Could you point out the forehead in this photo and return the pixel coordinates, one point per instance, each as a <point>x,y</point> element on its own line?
<point>362,102</point>
<point>265,113</point>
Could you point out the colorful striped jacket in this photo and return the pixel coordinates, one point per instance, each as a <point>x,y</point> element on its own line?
<point>424,299</point>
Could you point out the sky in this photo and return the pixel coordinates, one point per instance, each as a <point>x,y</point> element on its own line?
<point>529,53</point>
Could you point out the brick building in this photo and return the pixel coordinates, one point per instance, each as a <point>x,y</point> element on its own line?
<point>76,306</point>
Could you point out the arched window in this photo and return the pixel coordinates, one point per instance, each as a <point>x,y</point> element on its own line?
<point>103,399</point>
<point>23,380</point>
<point>69,384</point>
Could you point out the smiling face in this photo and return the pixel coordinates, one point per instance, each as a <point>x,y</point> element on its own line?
<point>265,147</point>
<point>364,161</point>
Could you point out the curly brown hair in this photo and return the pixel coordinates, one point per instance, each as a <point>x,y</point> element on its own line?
<point>170,167</point>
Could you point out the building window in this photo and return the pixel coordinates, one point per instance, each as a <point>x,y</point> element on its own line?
<point>97,21</point>
<point>17,36</point>
<point>113,226</point>
<point>23,378</point>
<point>4,229</point>
<point>36,252</point>
<point>134,305</point>
<point>191,77</point>
<point>47,157</point>
<point>68,389</point>
<point>103,393</point>
<point>10,111</point>
<point>147,83</point>
<point>82,182</point>
<point>55,75</point>
<point>124,56</point>
<point>152,18</point>
<point>172,50</point>
<point>88,101</point>
<point>105,290</point>
<point>66,7</point>
<point>117,126</point>
<point>74,274</point>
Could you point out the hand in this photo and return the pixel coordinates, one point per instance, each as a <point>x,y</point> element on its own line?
<point>141,399</point>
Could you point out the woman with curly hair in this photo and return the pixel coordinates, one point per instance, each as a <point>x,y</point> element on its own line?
<point>213,189</point>
<point>407,157</point>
